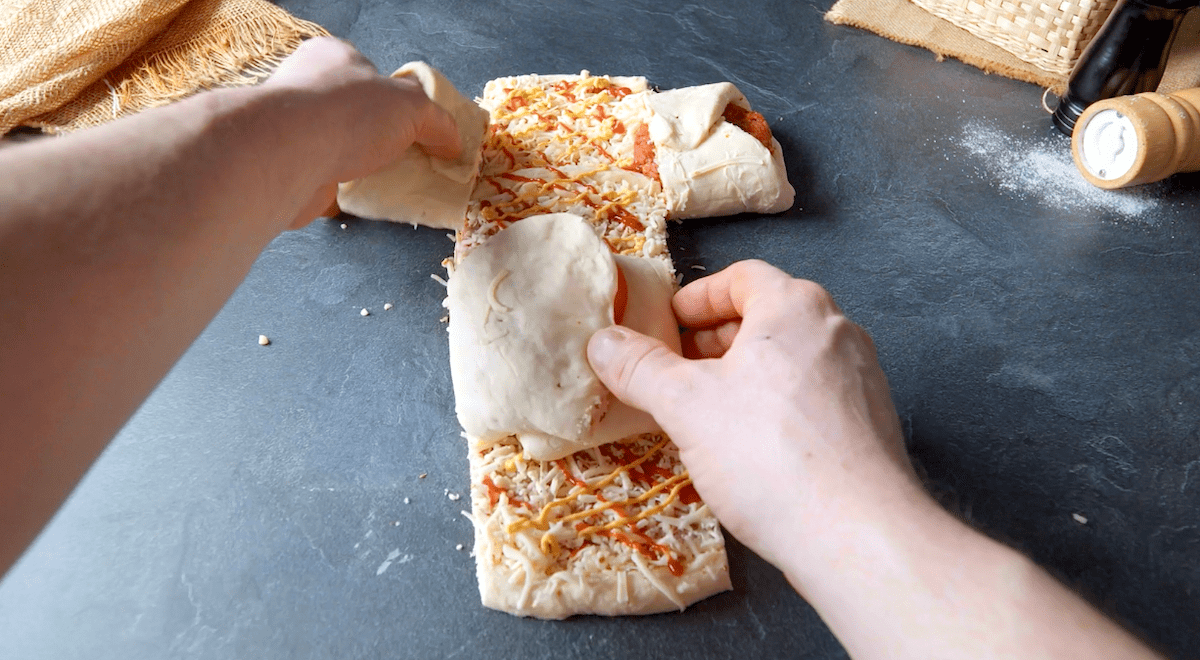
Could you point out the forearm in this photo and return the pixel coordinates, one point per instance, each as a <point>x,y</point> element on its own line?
<point>902,578</point>
<point>785,409</point>
<point>118,246</point>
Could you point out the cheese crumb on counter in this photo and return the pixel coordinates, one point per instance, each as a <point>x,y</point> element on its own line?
<point>1079,518</point>
<point>459,547</point>
<point>364,312</point>
<point>387,306</point>
<point>406,500</point>
<point>263,340</point>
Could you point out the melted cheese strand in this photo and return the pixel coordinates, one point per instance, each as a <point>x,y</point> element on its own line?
<point>493,301</point>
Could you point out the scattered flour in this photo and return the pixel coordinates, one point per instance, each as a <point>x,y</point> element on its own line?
<point>393,556</point>
<point>1040,166</point>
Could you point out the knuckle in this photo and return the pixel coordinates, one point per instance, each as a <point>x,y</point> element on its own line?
<point>809,291</point>
<point>648,374</point>
<point>632,371</point>
<point>812,298</point>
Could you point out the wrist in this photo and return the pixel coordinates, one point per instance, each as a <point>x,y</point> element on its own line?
<point>863,527</point>
<point>285,145</point>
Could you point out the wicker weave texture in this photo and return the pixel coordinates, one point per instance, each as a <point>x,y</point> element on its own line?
<point>1049,34</point>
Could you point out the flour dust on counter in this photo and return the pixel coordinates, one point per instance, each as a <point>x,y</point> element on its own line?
<point>1038,165</point>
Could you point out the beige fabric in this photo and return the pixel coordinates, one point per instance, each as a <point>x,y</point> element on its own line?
<point>905,22</point>
<point>69,64</point>
<point>1183,69</point>
<point>901,20</point>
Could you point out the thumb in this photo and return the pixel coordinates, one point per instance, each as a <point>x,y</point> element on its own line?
<point>641,371</point>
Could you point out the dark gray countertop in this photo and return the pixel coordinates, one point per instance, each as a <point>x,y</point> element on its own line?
<point>1042,340</point>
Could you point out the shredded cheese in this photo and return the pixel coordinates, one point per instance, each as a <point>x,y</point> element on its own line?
<point>540,522</point>
<point>566,144</point>
<point>562,145</point>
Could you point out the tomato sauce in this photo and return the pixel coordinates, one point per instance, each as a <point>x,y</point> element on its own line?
<point>643,153</point>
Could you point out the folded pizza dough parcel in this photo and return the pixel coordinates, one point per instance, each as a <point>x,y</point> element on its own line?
<point>708,165</point>
<point>416,187</point>
<point>580,504</point>
<point>522,308</point>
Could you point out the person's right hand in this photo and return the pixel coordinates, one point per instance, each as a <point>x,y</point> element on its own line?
<point>782,415</point>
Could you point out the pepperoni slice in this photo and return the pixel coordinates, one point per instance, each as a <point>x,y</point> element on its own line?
<point>751,122</point>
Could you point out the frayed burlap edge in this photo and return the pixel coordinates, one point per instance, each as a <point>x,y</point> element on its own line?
<point>233,51</point>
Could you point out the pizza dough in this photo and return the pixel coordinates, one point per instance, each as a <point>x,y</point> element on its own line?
<point>651,563</point>
<point>522,309</point>
<point>419,188</point>
<point>708,166</point>
<point>580,504</point>
<point>615,529</point>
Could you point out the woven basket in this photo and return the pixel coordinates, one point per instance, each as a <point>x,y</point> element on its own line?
<point>1049,34</point>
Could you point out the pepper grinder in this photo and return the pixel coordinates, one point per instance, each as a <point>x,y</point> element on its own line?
<point>1130,140</point>
<point>1127,56</point>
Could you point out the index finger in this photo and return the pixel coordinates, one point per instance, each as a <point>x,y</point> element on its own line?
<point>434,129</point>
<point>723,296</point>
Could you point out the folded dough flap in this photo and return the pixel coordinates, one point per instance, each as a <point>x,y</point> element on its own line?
<point>709,166</point>
<point>523,306</point>
<point>648,311</point>
<point>416,187</point>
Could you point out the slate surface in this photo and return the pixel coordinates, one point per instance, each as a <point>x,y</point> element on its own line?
<point>1041,339</point>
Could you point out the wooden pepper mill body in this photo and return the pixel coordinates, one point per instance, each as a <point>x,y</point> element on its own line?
<point>1131,140</point>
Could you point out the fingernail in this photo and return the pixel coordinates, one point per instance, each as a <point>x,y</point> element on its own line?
<point>605,343</point>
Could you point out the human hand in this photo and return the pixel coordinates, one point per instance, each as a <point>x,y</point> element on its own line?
<point>362,119</point>
<point>782,414</point>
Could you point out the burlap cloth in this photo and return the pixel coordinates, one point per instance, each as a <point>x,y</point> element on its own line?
<point>69,64</point>
<point>902,21</point>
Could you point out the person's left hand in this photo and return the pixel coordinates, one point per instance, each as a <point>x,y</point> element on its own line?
<point>376,117</point>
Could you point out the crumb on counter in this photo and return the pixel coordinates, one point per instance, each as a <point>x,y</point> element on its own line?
<point>1080,518</point>
<point>423,475</point>
<point>343,225</point>
<point>364,312</point>
<point>263,340</point>
<point>406,500</point>
<point>459,547</point>
<point>387,306</point>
